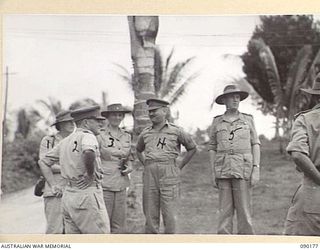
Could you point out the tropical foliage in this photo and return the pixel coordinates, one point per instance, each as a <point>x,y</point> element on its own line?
<point>170,79</point>
<point>282,57</point>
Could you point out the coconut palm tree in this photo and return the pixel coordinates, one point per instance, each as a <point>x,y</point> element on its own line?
<point>170,79</point>
<point>143,32</point>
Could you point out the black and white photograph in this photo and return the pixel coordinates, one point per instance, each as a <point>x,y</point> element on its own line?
<point>160,124</point>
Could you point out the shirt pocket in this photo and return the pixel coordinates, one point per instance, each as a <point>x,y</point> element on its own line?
<point>243,131</point>
<point>218,165</point>
<point>247,166</point>
<point>222,134</point>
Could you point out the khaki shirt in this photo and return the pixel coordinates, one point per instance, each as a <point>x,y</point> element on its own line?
<point>69,151</point>
<point>164,143</point>
<point>233,142</point>
<point>46,144</point>
<point>305,137</point>
<point>114,148</point>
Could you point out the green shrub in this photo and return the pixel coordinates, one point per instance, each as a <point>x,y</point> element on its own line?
<point>20,163</point>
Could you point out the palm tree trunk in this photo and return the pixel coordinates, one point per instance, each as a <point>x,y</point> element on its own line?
<point>143,32</point>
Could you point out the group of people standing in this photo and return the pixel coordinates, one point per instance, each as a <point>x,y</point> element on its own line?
<point>87,165</point>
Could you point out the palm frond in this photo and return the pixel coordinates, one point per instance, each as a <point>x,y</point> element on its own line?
<point>181,90</point>
<point>313,71</point>
<point>125,76</point>
<point>296,76</point>
<point>175,76</point>
<point>271,70</point>
<point>158,71</point>
<point>166,69</point>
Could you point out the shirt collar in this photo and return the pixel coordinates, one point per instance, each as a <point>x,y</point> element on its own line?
<point>239,116</point>
<point>84,130</point>
<point>166,124</point>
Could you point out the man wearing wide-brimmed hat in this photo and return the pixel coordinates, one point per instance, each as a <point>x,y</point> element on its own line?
<point>158,147</point>
<point>304,147</point>
<point>52,204</point>
<point>116,157</point>
<point>235,156</point>
<point>83,207</point>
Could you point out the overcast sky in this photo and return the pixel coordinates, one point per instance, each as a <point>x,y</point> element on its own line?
<point>72,57</point>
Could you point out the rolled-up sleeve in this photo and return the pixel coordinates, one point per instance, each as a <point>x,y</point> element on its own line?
<point>299,137</point>
<point>89,142</point>
<point>213,137</point>
<point>186,140</point>
<point>51,157</point>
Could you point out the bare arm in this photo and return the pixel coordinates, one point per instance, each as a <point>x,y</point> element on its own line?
<point>255,175</point>
<point>141,157</point>
<point>88,159</point>
<point>47,173</point>
<point>187,157</point>
<point>306,165</point>
<point>212,155</point>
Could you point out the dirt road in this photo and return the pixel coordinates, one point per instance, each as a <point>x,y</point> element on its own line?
<point>22,213</point>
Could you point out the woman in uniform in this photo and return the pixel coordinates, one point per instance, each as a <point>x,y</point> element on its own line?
<point>115,149</point>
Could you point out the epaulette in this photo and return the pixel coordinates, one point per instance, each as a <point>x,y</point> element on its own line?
<point>146,128</point>
<point>247,114</point>
<point>300,113</point>
<point>173,125</point>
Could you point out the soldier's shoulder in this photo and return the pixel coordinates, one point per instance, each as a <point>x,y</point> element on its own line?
<point>247,115</point>
<point>217,118</point>
<point>48,137</point>
<point>146,129</point>
<point>303,112</point>
<point>173,125</point>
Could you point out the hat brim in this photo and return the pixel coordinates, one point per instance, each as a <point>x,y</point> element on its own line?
<point>99,118</point>
<point>63,120</point>
<point>107,112</point>
<point>311,91</point>
<point>154,108</point>
<point>243,95</point>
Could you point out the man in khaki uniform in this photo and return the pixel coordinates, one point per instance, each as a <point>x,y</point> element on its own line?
<point>52,204</point>
<point>84,210</point>
<point>161,144</point>
<point>304,214</point>
<point>115,149</point>
<point>235,155</point>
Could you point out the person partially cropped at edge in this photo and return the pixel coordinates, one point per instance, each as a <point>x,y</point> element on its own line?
<point>303,216</point>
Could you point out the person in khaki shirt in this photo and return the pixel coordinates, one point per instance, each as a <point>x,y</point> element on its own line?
<point>303,216</point>
<point>52,204</point>
<point>83,207</point>
<point>115,149</point>
<point>235,155</point>
<point>158,146</point>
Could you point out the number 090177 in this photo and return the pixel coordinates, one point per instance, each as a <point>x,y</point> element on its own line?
<point>308,246</point>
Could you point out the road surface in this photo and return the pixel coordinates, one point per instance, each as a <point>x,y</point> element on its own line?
<point>22,213</point>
